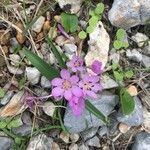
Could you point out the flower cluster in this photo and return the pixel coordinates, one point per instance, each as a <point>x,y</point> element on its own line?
<point>75,84</point>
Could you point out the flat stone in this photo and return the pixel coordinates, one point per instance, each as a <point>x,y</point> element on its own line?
<point>102,131</point>
<point>33,75</point>
<point>26,118</point>
<point>95,142</point>
<point>40,142</point>
<point>130,13</point>
<point>135,118</point>
<point>146,61</point>
<point>6,98</point>
<point>45,83</point>
<point>142,141</point>
<point>147,48</point>
<point>5,143</point>
<point>73,147</point>
<point>105,103</point>
<point>70,48</point>
<point>83,147</point>
<point>15,59</point>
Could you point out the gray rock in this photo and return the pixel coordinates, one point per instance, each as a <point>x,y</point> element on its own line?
<point>73,147</point>
<point>102,131</point>
<point>142,141</point>
<point>60,40</point>
<point>22,130</point>
<point>147,48</point>
<point>95,142</point>
<point>129,13</point>
<point>37,26</point>
<point>45,83</point>
<point>6,98</point>
<point>146,61</point>
<point>134,55</point>
<point>70,5</point>
<point>108,83</point>
<point>83,147</point>
<point>14,70</point>
<point>139,38</point>
<point>70,48</point>
<point>135,118</point>
<point>40,142</point>
<point>6,143</point>
<point>89,133</point>
<point>15,59</point>
<point>105,103</point>
<point>13,42</point>
<point>115,57</point>
<point>26,118</point>
<point>33,75</point>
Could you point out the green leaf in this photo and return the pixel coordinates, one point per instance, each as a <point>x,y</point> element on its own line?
<point>91,108</point>
<point>120,34</point>
<point>22,83</point>
<point>129,74</point>
<point>3,124</point>
<point>2,92</point>
<point>118,76</point>
<point>127,102</point>
<point>90,29</point>
<point>69,22</point>
<point>115,66</point>
<point>117,44</point>
<point>56,53</point>
<point>93,21</point>
<point>18,140</point>
<point>82,35</point>
<point>99,8</point>
<point>125,44</point>
<point>46,70</point>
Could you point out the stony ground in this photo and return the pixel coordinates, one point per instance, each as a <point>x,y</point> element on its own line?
<point>23,24</point>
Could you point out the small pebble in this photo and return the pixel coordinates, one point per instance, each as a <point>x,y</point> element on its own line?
<point>132,90</point>
<point>55,146</point>
<point>123,128</point>
<point>73,147</point>
<point>45,83</point>
<point>64,137</point>
<point>74,137</point>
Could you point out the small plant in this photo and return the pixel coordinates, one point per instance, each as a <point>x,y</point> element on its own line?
<point>120,40</point>
<point>2,92</point>
<point>96,15</point>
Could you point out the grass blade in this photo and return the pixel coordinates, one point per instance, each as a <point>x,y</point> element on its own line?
<point>91,108</point>
<point>46,70</point>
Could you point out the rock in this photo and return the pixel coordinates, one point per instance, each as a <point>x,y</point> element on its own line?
<point>132,90</point>
<point>40,142</point>
<point>37,26</point>
<point>115,57</point>
<point>6,98</point>
<point>60,40</point>
<point>89,133</point>
<point>13,42</point>
<point>83,147</point>
<point>102,131</point>
<point>130,13</point>
<point>4,37</point>
<point>15,59</point>
<point>73,147</point>
<point>105,103</point>
<point>26,118</point>
<point>6,143</point>
<point>93,142</point>
<point>46,26</point>
<point>145,97</point>
<point>142,141</point>
<point>123,128</point>
<point>15,106</point>
<point>140,39</point>
<point>52,33</point>
<point>147,48</point>
<point>23,130</point>
<point>70,48</point>
<point>146,123</point>
<point>55,146</point>
<point>146,61</point>
<point>134,55</point>
<point>45,83</point>
<point>33,75</point>
<point>98,46</point>
<point>74,137</point>
<point>64,136</point>
<point>70,5</point>
<point>135,118</point>
<point>14,70</point>
<point>49,108</point>
<point>108,83</point>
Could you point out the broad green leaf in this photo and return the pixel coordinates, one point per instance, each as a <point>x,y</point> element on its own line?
<point>18,140</point>
<point>115,66</point>
<point>91,108</point>
<point>127,102</point>
<point>120,34</point>
<point>69,22</point>
<point>117,44</point>
<point>2,92</point>
<point>129,74</point>
<point>125,44</point>
<point>93,21</point>
<point>118,76</point>
<point>56,53</point>
<point>99,8</point>
<point>46,70</point>
<point>91,13</point>
<point>90,29</point>
<point>3,124</point>
<point>82,35</point>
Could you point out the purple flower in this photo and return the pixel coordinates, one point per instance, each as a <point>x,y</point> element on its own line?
<point>76,64</point>
<point>90,85</point>
<point>66,86</point>
<point>77,105</point>
<point>97,67</point>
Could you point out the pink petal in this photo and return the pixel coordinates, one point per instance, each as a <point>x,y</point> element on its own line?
<point>96,87</point>
<point>57,91</point>
<point>56,82</point>
<point>96,67</point>
<point>68,94</point>
<point>94,79</point>
<point>74,79</point>
<point>77,91</point>
<point>65,74</point>
<point>91,94</point>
